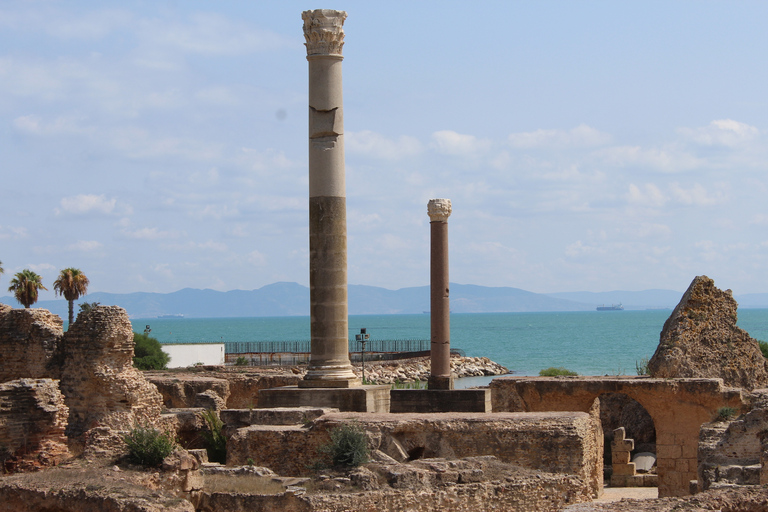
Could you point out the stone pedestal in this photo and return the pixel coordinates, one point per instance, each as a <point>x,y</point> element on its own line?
<point>439,400</point>
<point>357,399</point>
<point>440,308</point>
<point>329,365</point>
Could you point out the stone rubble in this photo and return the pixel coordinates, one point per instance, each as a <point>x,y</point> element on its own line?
<point>413,370</point>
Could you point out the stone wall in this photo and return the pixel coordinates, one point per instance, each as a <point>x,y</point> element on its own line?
<point>101,386</point>
<point>569,443</point>
<point>33,418</point>
<point>678,407</point>
<point>29,339</point>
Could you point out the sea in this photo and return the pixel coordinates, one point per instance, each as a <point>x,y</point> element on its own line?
<point>587,342</point>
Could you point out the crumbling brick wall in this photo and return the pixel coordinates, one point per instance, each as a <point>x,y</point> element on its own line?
<point>29,339</point>
<point>101,385</point>
<point>33,418</point>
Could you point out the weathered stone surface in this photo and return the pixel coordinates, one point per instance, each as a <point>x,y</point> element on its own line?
<point>89,493</point>
<point>101,386</point>
<point>569,443</point>
<point>731,452</point>
<point>737,499</point>
<point>700,339</point>
<point>33,418</point>
<point>180,390</point>
<point>29,339</point>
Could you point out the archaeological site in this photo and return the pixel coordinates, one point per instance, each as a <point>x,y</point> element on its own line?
<point>318,437</point>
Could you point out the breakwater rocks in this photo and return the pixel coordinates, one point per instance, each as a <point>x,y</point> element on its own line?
<point>412,370</point>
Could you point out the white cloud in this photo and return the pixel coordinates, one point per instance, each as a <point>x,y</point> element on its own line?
<point>722,132</point>
<point>85,246</point>
<point>451,143</point>
<point>86,203</point>
<point>649,195</point>
<point>209,34</point>
<point>151,234</point>
<point>649,230</point>
<point>665,160</point>
<point>696,195</point>
<point>34,125</point>
<point>376,145</point>
<point>7,232</point>
<point>256,258</point>
<point>578,137</point>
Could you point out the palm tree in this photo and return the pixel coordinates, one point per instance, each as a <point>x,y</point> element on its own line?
<point>24,286</point>
<point>71,284</point>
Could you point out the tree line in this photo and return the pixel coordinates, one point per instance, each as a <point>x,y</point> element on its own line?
<point>71,284</point>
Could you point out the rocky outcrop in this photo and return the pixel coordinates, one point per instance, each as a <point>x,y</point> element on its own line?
<point>101,386</point>
<point>33,418</point>
<point>700,339</point>
<point>29,339</point>
<point>419,369</point>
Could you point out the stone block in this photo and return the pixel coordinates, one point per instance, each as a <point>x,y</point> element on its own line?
<point>438,400</point>
<point>239,418</point>
<point>620,457</point>
<point>624,469</point>
<point>359,399</point>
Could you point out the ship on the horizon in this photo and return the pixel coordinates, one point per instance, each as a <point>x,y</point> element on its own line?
<point>612,307</point>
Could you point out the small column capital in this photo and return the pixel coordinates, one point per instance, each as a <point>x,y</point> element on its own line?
<point>439,209</point>
<point>323,32</point>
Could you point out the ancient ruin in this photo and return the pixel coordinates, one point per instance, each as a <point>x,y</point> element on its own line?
<point>701,339</point>
<point>440,308</point>
<point>329,365</point>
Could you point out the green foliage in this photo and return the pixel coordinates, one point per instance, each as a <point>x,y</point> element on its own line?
<point>418,384</point>
<point>557,372</point>
<point>148,446</point>
<point>642,367</point>
<point>763,348</point>
<point>726,413</point>
<point>241,361</point>
<point>85,307</point>
<point>216,443</point>
<point>348,446</point>
<point>25,286</point>
<point>148,353</point>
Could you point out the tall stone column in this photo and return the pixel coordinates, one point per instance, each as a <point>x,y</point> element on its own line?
<point>329,365</point>
<point>440,308</point>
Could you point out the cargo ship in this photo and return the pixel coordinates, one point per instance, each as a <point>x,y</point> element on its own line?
<point>612,307</point>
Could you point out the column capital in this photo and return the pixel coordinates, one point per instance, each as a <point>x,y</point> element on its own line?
<point>439,209</point>
<point>323,32</point>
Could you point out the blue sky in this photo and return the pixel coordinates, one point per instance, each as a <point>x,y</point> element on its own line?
<point>586,146</point>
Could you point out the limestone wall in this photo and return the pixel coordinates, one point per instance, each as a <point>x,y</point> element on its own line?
<point>678,407</point>
<point>33,418</point>
<point>101,386</point>
<point>569,443</point>
<point>28,342</point>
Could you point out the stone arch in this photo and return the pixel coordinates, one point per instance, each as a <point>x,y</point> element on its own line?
<point>678,408</point>
<point>620,410</point>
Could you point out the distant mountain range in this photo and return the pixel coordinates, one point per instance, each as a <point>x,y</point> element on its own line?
<point>292,299</point>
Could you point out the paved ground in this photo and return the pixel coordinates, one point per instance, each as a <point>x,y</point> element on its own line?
<point>617,493</point>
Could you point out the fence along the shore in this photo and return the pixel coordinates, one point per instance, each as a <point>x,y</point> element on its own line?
<point>302,347</point>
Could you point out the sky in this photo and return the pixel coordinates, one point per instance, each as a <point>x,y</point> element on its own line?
<point>585,146</point>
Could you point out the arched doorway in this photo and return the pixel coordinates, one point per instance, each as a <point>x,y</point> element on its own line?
<point>620,410</point>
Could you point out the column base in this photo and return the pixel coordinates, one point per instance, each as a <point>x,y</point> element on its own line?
<point>440,382</point>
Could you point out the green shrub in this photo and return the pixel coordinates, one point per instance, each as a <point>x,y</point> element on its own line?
<point>763,348</point>
<point>148,353</point>
<point>348,446</point>
<point>215,442</point>
<point>557,372</point>
<point>241,361</point>
<point>642,366</point>
<point>726,413</point>
<point>148,446</point>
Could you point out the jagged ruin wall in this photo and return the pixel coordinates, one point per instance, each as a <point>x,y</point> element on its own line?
<point>98,386</point>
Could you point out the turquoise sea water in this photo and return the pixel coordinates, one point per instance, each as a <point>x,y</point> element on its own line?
<point>589,342</point>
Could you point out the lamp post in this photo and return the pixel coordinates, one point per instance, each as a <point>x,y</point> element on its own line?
<point>362,338</point>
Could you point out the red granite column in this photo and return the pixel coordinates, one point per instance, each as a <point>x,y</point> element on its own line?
<point>329,365</point>
<point>440,308</point>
